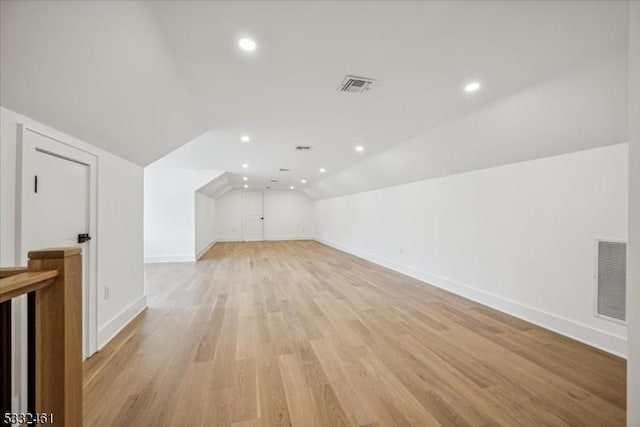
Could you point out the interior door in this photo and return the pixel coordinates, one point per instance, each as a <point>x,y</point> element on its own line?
<point>253,216</point>
<point>56,211</point>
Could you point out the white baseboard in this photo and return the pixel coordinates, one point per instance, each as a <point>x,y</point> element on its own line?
<point>204,250</point>
<point>297,237</point>
<point>584,333</point>
<point>118,323</point>
<point>274,238</point>
<point>170,258</point>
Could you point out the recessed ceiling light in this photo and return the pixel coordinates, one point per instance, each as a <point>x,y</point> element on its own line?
<point>247,44</point>
<point>359,148</point>
<point>322,170</point>
<point>471,87</point>
<point>292,187</point>
<point>246,186</point>
<point>245,138</point>
<point>245,179</point>
<point>244,165</point>
<point>304,181</point>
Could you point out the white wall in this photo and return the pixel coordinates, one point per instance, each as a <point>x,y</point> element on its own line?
<point>205,223</point>
<point>633,256</point>
<point>518,237</point>
<point>119,211</point>
<point>169,212</point>
<point>288,216</point>
<point>228,226</point>
<point>119,238</point>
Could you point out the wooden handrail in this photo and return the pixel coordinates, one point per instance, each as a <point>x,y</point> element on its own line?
<point>53,279</point>
<point>11,271</point>
<point>23,283</point>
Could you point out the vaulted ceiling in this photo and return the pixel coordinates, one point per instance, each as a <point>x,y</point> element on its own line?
<point>166,82</point>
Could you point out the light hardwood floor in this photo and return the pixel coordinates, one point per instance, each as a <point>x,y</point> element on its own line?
<point>280,333</point>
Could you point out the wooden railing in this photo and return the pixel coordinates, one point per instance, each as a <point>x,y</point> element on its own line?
<point>53,281</point>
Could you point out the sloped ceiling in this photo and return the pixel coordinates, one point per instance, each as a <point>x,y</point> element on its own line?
<point>142,79</point>
<point>580,109</point>
<point>217,187</point>
<point>99,71</point>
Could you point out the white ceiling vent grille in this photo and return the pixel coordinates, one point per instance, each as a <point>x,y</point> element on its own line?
<point>303,147</point>
<point>353,84</point>
<point>612,279</point>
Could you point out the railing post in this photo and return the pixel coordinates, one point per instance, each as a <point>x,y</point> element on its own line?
<point>58,336</point>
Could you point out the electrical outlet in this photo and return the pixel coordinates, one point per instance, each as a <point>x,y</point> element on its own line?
<point>107,292</point>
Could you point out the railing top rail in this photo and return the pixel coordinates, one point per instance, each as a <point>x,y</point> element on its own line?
<point>23,283</point>
<point>11,271</point>
<point>55,253</point>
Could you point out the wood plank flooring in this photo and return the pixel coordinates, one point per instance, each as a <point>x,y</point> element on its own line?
<point>297,333</point>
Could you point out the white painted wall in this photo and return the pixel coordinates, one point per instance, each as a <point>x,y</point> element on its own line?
<point>170,213</point>
<point>228,226</point>
<point>205,212</point>
<point>288,216</point>
<point>119,238</point>
<point>633,256</point>
<point>518,237</point>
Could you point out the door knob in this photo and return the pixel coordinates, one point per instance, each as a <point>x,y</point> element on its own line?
<point>84,237</point>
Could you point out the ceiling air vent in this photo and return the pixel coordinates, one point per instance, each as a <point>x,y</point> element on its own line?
<point>303,147</point>
<point>274,180</point>
<point>284,170</point>
<point>611,279</point>
<point>355,84</point>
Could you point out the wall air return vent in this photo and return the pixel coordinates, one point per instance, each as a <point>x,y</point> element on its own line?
<point>303,147</point>
<point>611,279</point>
<point>353,84</point>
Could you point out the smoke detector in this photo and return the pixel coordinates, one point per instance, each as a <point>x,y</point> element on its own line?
<point>354,84</point>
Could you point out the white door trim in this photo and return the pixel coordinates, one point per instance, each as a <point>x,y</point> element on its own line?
<point>53,146</point>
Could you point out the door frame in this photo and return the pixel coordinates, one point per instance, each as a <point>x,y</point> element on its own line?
<point>53,146</point>
<point>264,213</point>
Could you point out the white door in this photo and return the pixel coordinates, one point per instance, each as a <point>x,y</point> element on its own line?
<point>56,209</point>
<point>253,216</point>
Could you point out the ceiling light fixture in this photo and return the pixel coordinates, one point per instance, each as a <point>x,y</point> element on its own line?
<point>304,181</point>
<point>246,186</point>
<point>245,138</point>
<point>359,148</point>
<point>472,87</point>
<point>244,165</point>
<point>247,45</point>
<point>245,179</point>
<point>292,187</point>
<point>322,170</point>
